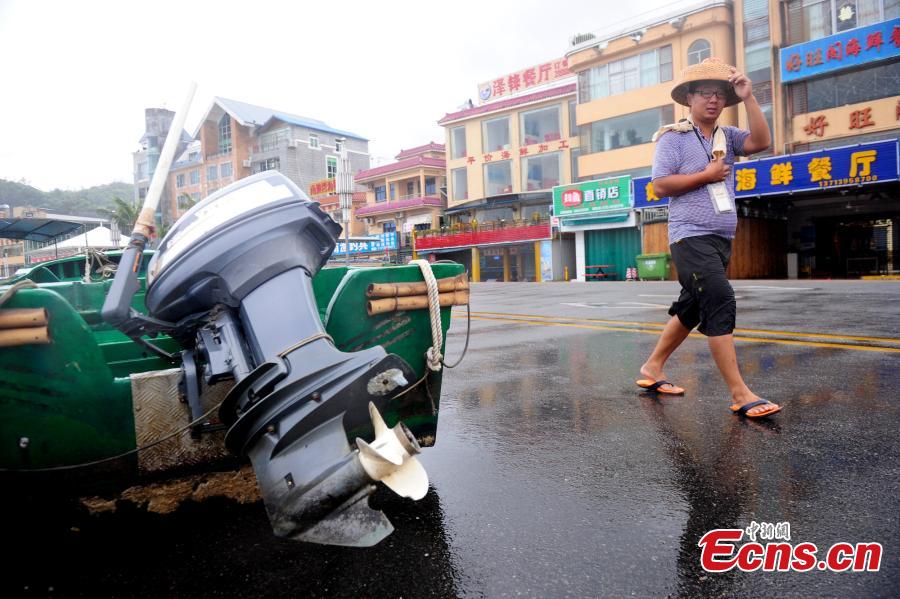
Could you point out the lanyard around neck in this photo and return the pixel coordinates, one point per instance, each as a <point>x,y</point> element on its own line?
<point>703,145</point>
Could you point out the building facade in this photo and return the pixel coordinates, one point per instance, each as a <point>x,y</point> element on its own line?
<point>504,159</point>
<point>625,77</point>
<point>157,122</point>
<point>836,109</point>
<point>236,139</point>
<point>823,200</point>
<point>405,196</point>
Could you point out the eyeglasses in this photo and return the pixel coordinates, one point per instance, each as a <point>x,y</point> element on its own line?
<point>709,93</point>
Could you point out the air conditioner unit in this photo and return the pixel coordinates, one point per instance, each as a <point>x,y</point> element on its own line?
<point>247,164</point>
<point>292,143</point>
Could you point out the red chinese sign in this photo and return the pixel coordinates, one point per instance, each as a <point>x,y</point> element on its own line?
<point>324,187</point>
<point>524,79</point>
<point>860,119</point>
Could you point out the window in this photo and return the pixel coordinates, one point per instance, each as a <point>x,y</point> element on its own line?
<point>498,178</point>
<point>430,186</point>
<point>380,193</point>
<point>389,226</point>
<point>179,180</point>
<point>541,171</point>
<point>619,76</point>
<point>331,163</point>
<point>393,189</point>
<point>814,19</point>
<point>225,134</point>
<point>410,189</point>
<point>195,197</point>
<point>313,141</point>
<point>195,176</point>
<point>225,169</point>
<point>698,51</point>
<point>627,130</point>
<point>272,139</point>
<point>873,83</point>
<point>495,134</point>
<point>270,164</point>
<point>192,156</point>
<point>460,181</point>
<point>540,125</point>
<point>573,123</point>
<point>338,145</point>
<point>458,142</point>
<point>574,153</point>
<point>212,172</point>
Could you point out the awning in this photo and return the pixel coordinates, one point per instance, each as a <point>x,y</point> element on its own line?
<point>36,229</point>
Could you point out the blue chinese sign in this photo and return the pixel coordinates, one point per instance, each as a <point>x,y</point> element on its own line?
<point>385,241</point>
<point>863,164</point>
<point>841,51</point>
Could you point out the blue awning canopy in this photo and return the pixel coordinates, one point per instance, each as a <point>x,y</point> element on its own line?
<point>36,229</point>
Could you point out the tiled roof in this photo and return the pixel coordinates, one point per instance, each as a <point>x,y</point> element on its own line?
<point>399,205</point>
<point>429,147</point>
<point>409,163</point>
<point>510,103</point>
<point>250,114</point>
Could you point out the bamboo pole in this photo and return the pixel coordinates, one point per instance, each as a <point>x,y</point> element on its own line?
<point>18,318</point>
<point>26,336</point>
<point>415,302</point>
<point>450,284</point>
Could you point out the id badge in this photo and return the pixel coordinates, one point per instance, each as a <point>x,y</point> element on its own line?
<point>721,201</point>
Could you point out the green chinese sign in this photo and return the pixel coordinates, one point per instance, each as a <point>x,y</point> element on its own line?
<point>590,197</point>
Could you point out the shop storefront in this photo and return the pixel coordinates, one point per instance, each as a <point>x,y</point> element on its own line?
<point>828,213</point>
<point>600,214</point>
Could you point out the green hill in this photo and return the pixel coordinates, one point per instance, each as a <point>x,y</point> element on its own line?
<point>83,202</point>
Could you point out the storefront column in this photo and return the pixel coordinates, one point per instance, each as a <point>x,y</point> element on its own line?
<point>537,262</point>
<point>476,266</point>
<point>505,264</point>
<point>579,256</point>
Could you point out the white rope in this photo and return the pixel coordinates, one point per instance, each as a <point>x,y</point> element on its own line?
<point>433,356</point>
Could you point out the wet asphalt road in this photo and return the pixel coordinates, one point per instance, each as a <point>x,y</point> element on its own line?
<point>552,476</point>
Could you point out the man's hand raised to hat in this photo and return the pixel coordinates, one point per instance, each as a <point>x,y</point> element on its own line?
<point>743,87</point>
<point>716,171</point>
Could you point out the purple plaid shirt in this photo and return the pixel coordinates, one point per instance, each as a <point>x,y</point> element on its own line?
<point>692,213</point>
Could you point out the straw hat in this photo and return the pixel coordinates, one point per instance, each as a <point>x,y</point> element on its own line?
<point>711,69</point>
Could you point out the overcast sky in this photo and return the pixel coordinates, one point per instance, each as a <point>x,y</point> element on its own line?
<point>78,74</point>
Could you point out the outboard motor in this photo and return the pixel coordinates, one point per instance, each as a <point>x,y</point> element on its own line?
<point>235,274</point>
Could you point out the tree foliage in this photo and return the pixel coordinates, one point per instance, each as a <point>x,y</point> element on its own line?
<point>84,202</point>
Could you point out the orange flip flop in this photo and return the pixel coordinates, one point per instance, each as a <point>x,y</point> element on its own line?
<point>656,386</point>
<point>743,410</point>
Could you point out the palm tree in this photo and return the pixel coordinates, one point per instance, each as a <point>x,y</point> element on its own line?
<point>124,214</point>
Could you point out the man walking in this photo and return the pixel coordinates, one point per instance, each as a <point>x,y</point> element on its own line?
<point>692,165</point>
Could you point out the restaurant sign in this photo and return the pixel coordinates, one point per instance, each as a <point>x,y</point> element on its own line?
<point>591,197</point>
<point>841,51</point>
<point>324,187</point>
<point>523,80</point>
<point>862,164</point>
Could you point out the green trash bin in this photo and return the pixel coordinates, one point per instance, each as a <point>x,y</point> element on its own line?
<point>653,266</point>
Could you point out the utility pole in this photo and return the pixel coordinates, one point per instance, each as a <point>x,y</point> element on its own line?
<point>344,188</point>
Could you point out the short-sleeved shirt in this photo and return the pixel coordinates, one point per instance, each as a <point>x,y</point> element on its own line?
<point>692,213</point>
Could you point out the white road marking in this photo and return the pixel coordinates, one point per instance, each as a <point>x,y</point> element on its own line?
<point>620,306</point>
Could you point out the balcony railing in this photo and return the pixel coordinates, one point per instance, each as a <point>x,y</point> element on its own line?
<point>469,235</point>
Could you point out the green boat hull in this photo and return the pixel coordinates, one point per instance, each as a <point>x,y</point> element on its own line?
<point>72,402</point>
